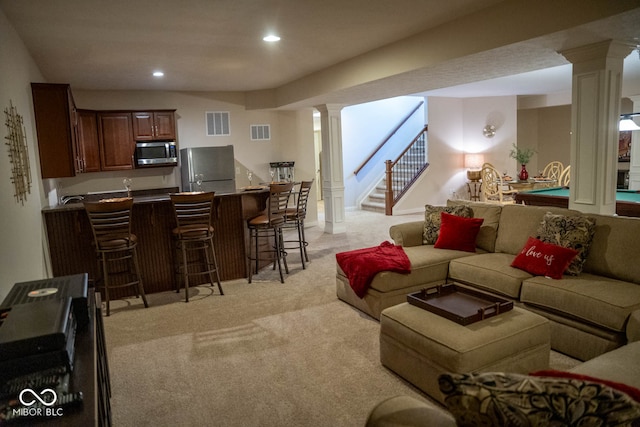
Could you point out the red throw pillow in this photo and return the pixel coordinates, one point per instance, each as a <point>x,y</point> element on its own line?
<point>458,233</point>
<point>544,259</point>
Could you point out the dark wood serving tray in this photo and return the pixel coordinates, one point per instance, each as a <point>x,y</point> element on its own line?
<point>458,303</point>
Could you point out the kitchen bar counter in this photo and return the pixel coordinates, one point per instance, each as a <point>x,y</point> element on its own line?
<point>71,241</point>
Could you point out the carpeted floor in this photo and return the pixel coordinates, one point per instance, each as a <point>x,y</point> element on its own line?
<point>264,354</point>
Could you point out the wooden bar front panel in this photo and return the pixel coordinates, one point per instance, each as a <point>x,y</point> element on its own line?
<point>71,241</point>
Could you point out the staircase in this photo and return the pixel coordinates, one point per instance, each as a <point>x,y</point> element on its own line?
<point>375,200</point>
<point>404,172</point>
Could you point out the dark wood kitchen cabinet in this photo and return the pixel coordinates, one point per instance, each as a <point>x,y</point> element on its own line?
<point>56,122</point>
<point>115,135</point>
<point>154,125</point>
<point>88,143</point>
<point>73,141</point>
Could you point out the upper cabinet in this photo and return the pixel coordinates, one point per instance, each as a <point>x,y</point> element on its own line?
<point>154,125</point>
<point>88,144</point>
<point>72,141</point>
<point>117,145</point>
<point>56,122</point>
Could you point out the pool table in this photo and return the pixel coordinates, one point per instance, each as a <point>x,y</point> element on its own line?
<point>627,201</point>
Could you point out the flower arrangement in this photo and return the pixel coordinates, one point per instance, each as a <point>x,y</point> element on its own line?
<point>522,155</point>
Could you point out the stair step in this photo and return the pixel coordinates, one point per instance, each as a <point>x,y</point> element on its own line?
<point>373,207</point>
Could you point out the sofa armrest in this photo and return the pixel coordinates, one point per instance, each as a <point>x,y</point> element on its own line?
<point>408,411</point>
<point>407,234</point>
<point>633,327</point>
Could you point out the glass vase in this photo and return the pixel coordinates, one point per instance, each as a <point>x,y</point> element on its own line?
<point>524,175</point>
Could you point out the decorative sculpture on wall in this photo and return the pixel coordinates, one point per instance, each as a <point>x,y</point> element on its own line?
<point>18,153</point>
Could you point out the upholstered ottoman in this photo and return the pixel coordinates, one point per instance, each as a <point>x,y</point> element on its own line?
<point>419,345</point>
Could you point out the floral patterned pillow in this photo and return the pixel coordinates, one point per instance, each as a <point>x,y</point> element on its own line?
<point>575,232</point>
<point>500,399</point>
<point>432,220</point>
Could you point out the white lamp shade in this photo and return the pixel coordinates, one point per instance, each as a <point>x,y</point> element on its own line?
<point>628,124</point>
<point>473,160</point>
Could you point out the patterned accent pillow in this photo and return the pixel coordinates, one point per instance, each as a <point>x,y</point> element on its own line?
<point>500,399</point>
<point>575,232</point>
<point>432,220</point>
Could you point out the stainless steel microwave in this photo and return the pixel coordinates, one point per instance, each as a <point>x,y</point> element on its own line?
<point>157,153</point>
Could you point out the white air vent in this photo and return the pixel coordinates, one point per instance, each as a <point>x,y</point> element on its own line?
<point>260,132</point>
<point>217,123</point>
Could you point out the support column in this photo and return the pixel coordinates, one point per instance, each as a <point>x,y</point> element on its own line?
<point>595,113</point>
<point>332,169</point>
<point>634,162</point>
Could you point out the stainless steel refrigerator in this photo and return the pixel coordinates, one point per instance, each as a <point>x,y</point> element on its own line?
<point>214,165</point>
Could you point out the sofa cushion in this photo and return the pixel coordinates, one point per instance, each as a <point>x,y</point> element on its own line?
<point>458,233</point>
<point>490,272</point>
<point>591,299</point>
<point>518,222</point>
<point>506,399</point>
<point>428,265</point>
<point>575,232</point>
<point>490,212</point>
<point>544,259</point>
<point>607,366</point>
<point>614,246</point>
<point>432,220</point>
<point>361,265</point>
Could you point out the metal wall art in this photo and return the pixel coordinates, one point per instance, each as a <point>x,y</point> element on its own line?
<point>18,153</point>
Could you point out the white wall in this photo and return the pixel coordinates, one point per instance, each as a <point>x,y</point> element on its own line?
<point>298,125</point>
<point>548,129</point>
<point>364,127</point>
<point>455,127</point>
<point>21,246</point>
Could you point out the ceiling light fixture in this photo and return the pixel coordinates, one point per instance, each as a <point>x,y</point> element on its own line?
<point>627,123</point>
<point>158,74</point>
<point>271,38</point>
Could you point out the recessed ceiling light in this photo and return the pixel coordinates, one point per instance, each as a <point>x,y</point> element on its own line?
<point>158,74</point>
<point>271,38</point>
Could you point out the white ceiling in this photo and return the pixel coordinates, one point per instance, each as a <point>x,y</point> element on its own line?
<point>553,80</point>
<point>216,45</point>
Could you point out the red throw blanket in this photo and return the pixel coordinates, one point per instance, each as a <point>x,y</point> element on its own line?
<point>362,265</point>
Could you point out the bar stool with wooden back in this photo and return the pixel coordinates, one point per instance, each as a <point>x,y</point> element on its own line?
<point>115,246</point>
<point>193,235</point>
<point>270,225</point>
<point>295,219</point>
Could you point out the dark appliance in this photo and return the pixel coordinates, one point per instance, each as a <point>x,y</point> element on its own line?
<point>282,171</point>
<point>57,288</point>
<point>37,336</point>
<point>157,153</point>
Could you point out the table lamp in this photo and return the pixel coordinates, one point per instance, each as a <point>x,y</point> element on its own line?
<point>473,162</point>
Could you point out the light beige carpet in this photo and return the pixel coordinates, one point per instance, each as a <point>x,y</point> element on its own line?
<point>264,354</point>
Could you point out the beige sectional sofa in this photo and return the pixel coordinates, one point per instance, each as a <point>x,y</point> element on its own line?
<point>590,313</point>
<point>620,366</point>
